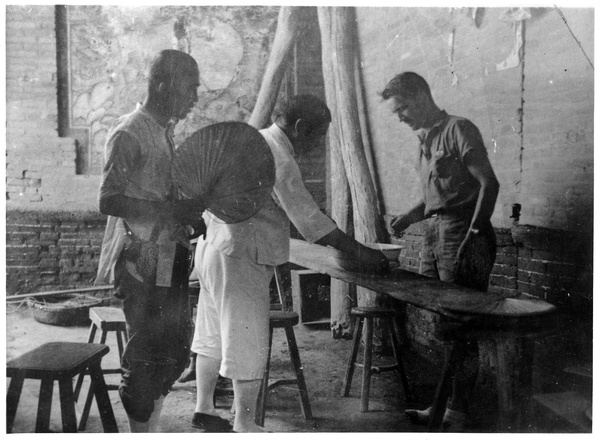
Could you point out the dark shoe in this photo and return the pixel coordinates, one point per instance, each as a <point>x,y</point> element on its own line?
<point>210,423</point>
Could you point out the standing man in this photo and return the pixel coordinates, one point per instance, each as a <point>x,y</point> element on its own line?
<point>235,267</point>
<point>459,194</point>
<point>146,242</point>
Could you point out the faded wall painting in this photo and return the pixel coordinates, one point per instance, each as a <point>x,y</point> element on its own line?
<point>111,47</point>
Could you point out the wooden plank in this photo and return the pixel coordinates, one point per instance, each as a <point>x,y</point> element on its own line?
<point>59,292</point>
<point>431,294</point>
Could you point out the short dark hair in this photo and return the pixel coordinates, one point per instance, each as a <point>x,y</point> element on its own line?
<point>309,108</point>
<point>408,84</point>
<point>168,64</point>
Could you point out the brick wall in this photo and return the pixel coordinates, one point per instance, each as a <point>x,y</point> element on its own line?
<point>542,263</point>
<point>48,250</point>
<point>40,166</point>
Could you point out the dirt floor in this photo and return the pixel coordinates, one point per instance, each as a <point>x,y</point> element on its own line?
<point>324,362</point>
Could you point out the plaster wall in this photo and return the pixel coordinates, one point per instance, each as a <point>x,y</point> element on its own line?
<point>523,76</point>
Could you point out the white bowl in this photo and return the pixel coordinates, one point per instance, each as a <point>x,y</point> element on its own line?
<point>391,251</point>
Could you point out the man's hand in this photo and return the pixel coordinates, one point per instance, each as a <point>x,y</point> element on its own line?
<point>199,229</point>
<point>400,223</point>
<point>467,242</point>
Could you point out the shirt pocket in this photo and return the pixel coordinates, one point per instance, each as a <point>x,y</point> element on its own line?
<point>446,171</point>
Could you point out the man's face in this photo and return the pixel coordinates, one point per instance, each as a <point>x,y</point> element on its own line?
<point>410,111</point>
<point>184,93</point>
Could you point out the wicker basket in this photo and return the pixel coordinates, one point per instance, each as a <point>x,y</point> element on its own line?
<point>63,310</point>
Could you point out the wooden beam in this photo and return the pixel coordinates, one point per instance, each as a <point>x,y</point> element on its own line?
<point>341,294</point>
<point>288,30</point>
<point>339,41</point>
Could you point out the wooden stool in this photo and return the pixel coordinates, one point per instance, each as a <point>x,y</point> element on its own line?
<point>107,319</point>
<point>59,361</point>
<point>285,319</point>
<point>368,314</point>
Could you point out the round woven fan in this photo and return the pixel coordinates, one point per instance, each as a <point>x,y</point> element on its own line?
<point>229,166</point>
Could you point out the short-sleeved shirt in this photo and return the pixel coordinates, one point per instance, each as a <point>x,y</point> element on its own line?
<point>268,232</point>
<point>448,186</point>
<point>138,155</point>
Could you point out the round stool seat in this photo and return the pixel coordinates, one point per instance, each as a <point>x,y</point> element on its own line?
<point>373,312</point>
<point>281,319</point>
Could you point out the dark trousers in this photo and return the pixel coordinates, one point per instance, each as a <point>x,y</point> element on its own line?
<point>160,330</point>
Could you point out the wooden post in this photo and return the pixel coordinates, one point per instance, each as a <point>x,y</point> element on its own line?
<point>341,293</point>
<point>286,35</point>
<point>338,37</point>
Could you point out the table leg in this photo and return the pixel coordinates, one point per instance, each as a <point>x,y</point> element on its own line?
<point>505,355</point>
<point>525,390</point>
<point>42,422</point>
<point>107,416</point>
<point>12,399</point>
<point>397,347</point>
<point>67,405</point>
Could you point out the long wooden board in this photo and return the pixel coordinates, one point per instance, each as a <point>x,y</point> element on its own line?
<point>431,294</point>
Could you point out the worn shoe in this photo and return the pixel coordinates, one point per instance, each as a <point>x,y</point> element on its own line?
<point>210,423</point>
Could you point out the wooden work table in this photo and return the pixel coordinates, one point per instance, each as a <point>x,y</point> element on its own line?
<point>466,314</point>
<point>434,295</point>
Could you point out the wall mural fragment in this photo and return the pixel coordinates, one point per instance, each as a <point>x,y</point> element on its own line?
<point>111,48</point>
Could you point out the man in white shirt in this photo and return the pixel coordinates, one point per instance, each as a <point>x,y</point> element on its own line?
<point>235,266</point>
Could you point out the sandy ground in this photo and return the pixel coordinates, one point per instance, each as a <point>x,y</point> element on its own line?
<point>323,358</point>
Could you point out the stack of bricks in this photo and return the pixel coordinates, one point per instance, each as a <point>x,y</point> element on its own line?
<point>412,241</point>
<point>51,251</point>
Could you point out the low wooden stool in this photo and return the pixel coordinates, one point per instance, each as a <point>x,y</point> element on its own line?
<point>368,315</point>
<point>59,361</point>
<point>106,319</point>
<point>285,319</point>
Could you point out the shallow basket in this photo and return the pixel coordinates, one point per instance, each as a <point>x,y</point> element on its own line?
<point>63,310</point>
